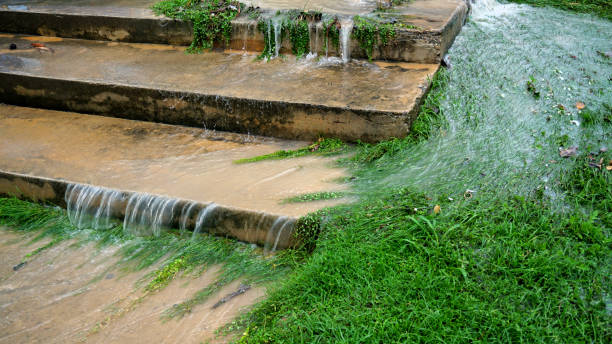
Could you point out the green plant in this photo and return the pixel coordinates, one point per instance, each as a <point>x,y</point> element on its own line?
<point>332,34</point>
<point>211,19</point>
<point>322,146</point>
<point>299,34</point>
<point>316,196</point>
<point>369,32</point>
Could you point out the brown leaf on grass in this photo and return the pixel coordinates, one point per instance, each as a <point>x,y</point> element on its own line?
<point>567,152</point>
<point>580,105</point>
<point>436,209</point>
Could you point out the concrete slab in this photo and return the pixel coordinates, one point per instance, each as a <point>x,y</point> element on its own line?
<point>233,92</point>
<point>44,153</point>
<point>438,22</point>
<point>176,161</point>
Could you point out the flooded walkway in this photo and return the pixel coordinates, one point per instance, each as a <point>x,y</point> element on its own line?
<point>74,295</point>
<point>175,161</point>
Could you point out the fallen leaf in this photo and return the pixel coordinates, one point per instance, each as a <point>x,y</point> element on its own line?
<point>571,151</point>
<point>437,209</point>
<point>580,105</point>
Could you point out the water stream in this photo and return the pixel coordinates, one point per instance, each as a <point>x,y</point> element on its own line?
<point>499,136</point>
<point>150,215</point>
<point>346,27</point>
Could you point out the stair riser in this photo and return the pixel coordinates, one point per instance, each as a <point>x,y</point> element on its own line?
<point>243,225</point>
<point>249,116</point>
<point>417,46</point>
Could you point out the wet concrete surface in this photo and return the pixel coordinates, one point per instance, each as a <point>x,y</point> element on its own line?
<point>431,11</point>
<point>437,23</point>
<point>70,294</point>
<point>175,161</point>
<point>282,98</point>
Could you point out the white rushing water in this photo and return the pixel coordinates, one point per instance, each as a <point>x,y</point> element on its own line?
<point>346,27</point>
<point>202,218</point>
<point>90,206</point>
<point>147,214</point>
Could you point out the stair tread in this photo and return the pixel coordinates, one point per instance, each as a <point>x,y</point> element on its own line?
<point>379,86</point>
<point>175,161</point>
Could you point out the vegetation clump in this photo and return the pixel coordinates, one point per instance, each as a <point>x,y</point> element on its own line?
<point>369,33</point>
<point>323,146</point>
<point>211,19</point>
<point>316,196</point>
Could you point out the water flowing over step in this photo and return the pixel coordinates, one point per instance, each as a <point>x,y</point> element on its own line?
<point>150,177</point>
<point>429,26</point>
<point>283,98</point>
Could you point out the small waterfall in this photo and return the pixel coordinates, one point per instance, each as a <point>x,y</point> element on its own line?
<point>275,232</point>
<point>316,46</point>
<point>346,27</point>
<point>91,206</point>
<point>245,36</point>
<point>186,212</point>
<point>148,214</point>
<point>277,36</point>
<point>202,217</point>
<point>144,214</point>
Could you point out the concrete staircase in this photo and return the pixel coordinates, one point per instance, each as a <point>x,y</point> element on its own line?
<point>119,60</point>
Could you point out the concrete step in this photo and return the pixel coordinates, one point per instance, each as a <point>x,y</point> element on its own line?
<point>437,22</point>
<point>283,98</point>
<point>51,156</point>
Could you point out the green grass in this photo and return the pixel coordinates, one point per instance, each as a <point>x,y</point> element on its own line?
<point>315,196</point>
<point>324,147</point>
<point>505,271</point>
<point>173,253</point>
<point>601,8</point>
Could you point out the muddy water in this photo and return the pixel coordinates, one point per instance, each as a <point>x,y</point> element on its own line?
<point>176,161</point>
<point>335,6</point>
<point>70,295</point>
<point>96,3</point>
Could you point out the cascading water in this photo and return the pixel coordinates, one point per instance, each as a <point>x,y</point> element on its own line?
<point>203,216</point>
<point>91,206</point>
<point>496,134</point>
<point>145,214</point>
<point>346,27</point>
<point>148,214</point>
<point>277,24</point>
<point>186,213</point>
<point>281,225</point>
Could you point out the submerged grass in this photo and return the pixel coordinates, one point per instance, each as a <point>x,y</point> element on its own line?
<point>323,146</point>
<point>601,8</point>
<point>175,254</point>
<point>315,196</point>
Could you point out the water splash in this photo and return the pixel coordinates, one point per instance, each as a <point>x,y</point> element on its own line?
<point>346,27</point>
